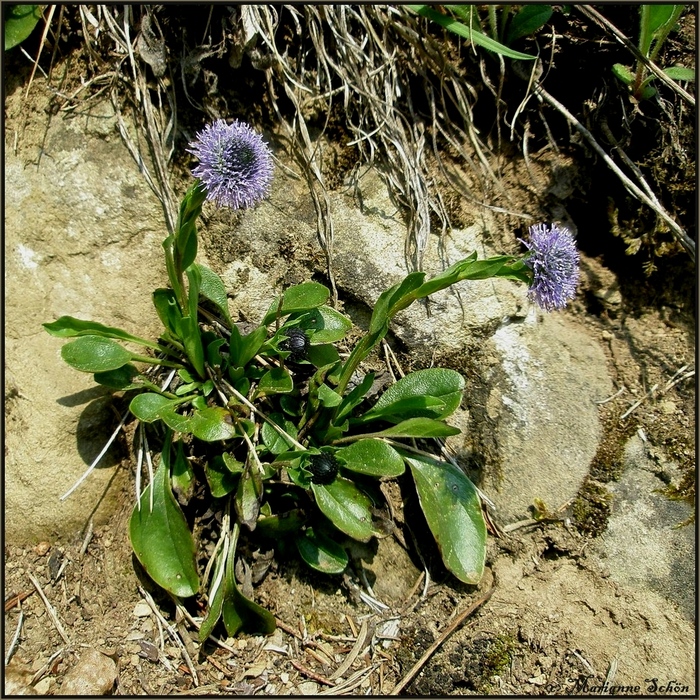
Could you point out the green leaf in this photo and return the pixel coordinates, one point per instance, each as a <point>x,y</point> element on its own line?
<point>188,332</point>
<point>527,21</point>
<point>328,397</point>
<point>93,353</point>
<point>182,473</point>
<point>160,537</point>
<point>275,381</point>
<point>453,511</point>
<point>120,379</point>
<point>323,325</point>
<point>147,405</point>
<point>301,297</point>
<point>168,309</point>
<point>186,231</point>
<point>216,597</point>
<point>659,15</point>
<point>354,398</point>
<point>275,526</point>
<point>248,496</point>
<point>219,477</point>
<point>69,327</point>
<point>414,395</point>
<point>623,73</point>
<point>272,439</point>
<point>680,73</point>
<point>238,611</point>
<point>173,419</point>
<point>232,464</point>
<point>212,424</point>
<point>323,355</point>
<point>372,457</point>
<point>20,21</point>
<point>212,288</point>
<point>348,508</point>
<point>245,347</point>
<point>214,357</point>
<point>418,428</point>
<point>321,552</point>
<point>470,33</point>
<point>390,299</point>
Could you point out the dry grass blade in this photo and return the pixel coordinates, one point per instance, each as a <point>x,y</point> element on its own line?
<point>352,655</point>
<point>652,202</point>
<point>49,609</point>
<point>369,57</point>
<point>15,638</point>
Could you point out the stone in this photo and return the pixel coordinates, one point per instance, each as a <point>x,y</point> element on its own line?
<point>82,238</point>
<point>94,674</point>
<point>543,388</point>
<point>646,545</point>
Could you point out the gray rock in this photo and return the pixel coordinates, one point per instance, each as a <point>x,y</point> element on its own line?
<point>646,544</point>
<point>94,674</point>
<point>83,235</point>
<point>541,406</point>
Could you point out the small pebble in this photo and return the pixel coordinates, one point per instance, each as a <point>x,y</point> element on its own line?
<point>43,687</point>
<point>94,674</point>
<point>308,688</point>
<point>42,548</point>
<point>142,609</point>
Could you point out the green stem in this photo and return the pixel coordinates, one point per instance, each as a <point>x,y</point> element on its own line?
<point>156,361</point>
<point>644,44</point>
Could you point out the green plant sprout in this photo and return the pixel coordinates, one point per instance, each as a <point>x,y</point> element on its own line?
<point>504,32</point>
<point>271,425</point>
<point>655,24</point>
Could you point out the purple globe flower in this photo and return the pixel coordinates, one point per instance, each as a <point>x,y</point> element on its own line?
<point>235,164</point>
<point>554,261</point>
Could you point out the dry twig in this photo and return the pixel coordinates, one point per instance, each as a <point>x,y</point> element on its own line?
<point>49,609</point>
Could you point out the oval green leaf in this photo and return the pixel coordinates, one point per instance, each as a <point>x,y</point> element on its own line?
<point>419,428</point>
<point>436,383</point>
<point>160,537</point>
<point>213,288</point>
<point>69,327</point>
<point>272,439</point>
<point>220,479</point>
<point>93,353</point>
<point>211,424</point>
<point>321,552</point>
<point>453,511</point>
<point>120,379</point>
<point>348,508</point>
<point>275,381</point>
<point>300,297</point>
<point>147,405</point>
<point>372,457</point>
<point>20,21</point>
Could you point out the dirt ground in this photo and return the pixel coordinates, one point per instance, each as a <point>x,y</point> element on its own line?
<point>546,618</point>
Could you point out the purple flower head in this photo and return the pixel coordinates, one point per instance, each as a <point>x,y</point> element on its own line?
<point>554,261</point>
<point>235,164</point>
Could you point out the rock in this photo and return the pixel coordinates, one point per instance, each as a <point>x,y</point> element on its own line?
<point>83,238</point>
<point>541,406</point>
<point>308,688</point>
<point>94,674</point>
<point>142,609</point>
<point>18,676</point>
<point>645,544</point>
